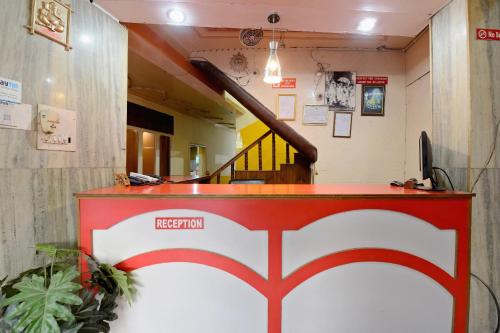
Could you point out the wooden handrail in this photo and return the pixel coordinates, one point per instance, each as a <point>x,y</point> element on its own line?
<point>287,133</point>
<point>241,153</point>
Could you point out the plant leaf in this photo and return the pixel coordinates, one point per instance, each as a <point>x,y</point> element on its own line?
<point>94,315</point>
<point>110,278</point>
<point>74,328</point>
<point>56,253</point>
<point>39,307</point>
<point>10,291</point>
<point>123,282</point>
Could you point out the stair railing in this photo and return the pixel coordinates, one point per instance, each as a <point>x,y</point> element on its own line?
<point>244,153</point>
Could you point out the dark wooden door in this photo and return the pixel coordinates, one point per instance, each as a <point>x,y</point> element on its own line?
<point>164,155</point>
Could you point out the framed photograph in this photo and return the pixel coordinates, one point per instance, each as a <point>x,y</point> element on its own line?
<point>340,90</point>
<point>315,115</point>
<point>51,19</point>
<point>373,101</point>
<point>342,124</point>
<point>286,106</point>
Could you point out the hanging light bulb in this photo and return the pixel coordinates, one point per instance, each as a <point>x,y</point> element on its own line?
<point>273,68</point>
<point>272,72</point>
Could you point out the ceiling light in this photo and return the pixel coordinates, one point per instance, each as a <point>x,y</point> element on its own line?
<point>367,24</point>
<point>176,16</point>
<point>272,72</point>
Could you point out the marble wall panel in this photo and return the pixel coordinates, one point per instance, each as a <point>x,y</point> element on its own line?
<point>38,206</point>
<point>450,86</point>
<point>485,87</point>
<point>91,79</point>
<point>458,122</point>
<point>485,249</point>
<point>36,196</point>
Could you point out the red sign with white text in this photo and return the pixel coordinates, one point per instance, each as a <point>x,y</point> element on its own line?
<point>179,223</point>
<point>487,34</point>
<point>286,83</point>
<point>372,79</point>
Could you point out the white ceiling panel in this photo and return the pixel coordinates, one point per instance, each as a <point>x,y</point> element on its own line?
<point>394,17</point>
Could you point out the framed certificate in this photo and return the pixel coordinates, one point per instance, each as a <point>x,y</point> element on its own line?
<point>342,124</point>
<point>315,115</point>
<point>286,106</point>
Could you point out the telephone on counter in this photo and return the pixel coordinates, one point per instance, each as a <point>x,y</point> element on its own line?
<point>137,179</point>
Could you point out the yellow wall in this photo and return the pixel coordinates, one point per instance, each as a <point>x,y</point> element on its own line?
<point>251,133</point>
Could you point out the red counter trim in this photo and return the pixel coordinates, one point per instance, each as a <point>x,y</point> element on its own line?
<point>206,258</point>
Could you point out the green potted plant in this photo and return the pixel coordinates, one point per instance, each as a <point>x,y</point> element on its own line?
<point>54,299</point>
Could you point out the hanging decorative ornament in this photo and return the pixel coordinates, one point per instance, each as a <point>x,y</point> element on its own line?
<point>239,63</point>
<point>251,37</point>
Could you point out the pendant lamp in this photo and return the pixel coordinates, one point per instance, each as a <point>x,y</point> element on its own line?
<point>272,72</point>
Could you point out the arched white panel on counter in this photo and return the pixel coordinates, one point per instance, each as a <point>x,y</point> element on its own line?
<point>369,228</point>
<point>191,298</point>
<point>368,298</point>
<point>220,235</point>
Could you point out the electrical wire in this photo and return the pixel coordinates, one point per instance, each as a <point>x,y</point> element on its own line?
<point>322,67</point>
<point>495,300</point>
<point>446,174</point>
<point>492,152</point>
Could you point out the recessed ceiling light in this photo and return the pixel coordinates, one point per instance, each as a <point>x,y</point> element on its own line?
<point>176,16</point>
<point>367,24</point>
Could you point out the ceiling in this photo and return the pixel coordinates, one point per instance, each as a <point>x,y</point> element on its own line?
<point>150,82</point>
<point>394,17</point>
<point>194,39</point>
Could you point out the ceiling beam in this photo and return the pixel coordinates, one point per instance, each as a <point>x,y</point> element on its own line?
<point>159,51</point>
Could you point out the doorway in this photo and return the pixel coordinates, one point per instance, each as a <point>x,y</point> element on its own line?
<point>148,152</point>
<point>197,160</point>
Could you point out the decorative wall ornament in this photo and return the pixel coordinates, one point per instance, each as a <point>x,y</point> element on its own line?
<point>251,37</point>
<point>239,63</point>
<point>51,19</point>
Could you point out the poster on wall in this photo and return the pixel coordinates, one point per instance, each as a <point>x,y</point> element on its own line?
<point>10,91</point>
<point>15,116</point>
<point>56,129</point>
<point>340,90</point>
<point>373,101</point>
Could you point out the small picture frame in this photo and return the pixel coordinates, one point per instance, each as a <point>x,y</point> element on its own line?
<point>373,100</point>
<point>51,19</point>
<point>342,124</point>
<point>315,115</point>
<point>285,106</point>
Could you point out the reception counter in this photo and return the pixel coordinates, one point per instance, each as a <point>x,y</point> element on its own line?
<point>284,258</point>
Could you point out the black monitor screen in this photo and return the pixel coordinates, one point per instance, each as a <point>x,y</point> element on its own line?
<point>425,156</point>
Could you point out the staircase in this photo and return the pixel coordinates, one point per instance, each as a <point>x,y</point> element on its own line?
<point>298,172</point>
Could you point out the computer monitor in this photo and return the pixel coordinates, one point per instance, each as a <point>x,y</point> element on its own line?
<point>426,160</point>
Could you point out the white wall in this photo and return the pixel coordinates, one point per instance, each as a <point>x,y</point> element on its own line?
<point>220,141</point>
<point>418,101</point>
<point>376,151</point>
